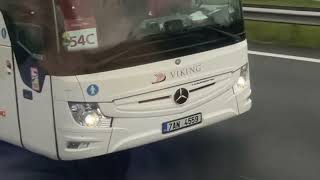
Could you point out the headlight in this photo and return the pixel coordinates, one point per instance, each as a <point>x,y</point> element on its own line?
<point>88,114</point>
<point>244,78</point>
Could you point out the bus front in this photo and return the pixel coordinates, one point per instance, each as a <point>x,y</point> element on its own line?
<point>136,72</point>
<point>125,73</point>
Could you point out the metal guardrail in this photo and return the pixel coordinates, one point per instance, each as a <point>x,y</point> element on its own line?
<point>282,16</point>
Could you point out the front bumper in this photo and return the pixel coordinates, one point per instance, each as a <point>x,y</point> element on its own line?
<point>132,132</point>
<point>128,133</point>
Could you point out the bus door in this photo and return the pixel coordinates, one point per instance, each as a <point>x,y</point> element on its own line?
<point>34,95</point>
<point>9,125</point>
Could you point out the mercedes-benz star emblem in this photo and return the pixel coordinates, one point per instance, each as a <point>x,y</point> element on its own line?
<point>181,96</point>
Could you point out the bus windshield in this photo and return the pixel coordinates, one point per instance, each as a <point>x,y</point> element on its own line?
<point>102,35</point>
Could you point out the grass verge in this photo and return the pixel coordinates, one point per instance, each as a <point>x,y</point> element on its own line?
<point>283,34</point>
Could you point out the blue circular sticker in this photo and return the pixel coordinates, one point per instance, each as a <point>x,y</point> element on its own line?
<point>3,33</point>
<point>93,90</point>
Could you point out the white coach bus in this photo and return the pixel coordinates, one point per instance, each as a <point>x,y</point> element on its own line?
<point>82,78</point>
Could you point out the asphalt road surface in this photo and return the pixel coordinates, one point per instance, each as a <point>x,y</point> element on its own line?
<point>277,140</point>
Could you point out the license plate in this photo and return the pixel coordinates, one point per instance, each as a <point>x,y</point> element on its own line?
<point>182,123</point>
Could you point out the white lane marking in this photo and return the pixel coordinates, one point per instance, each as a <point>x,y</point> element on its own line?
<point>283,56</point>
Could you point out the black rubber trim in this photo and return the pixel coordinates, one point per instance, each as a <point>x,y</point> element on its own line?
<point>202,87</point>
<point>154,99</point>
<point>54,120</point>
<point>16,93</point>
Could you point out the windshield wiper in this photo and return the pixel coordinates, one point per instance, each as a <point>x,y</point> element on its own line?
<point>235,37</point>
<point>157,38</point>
<point>154,39</point>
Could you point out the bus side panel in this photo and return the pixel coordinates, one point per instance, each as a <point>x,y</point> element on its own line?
<point>36,118</point>
<point>9,125</point>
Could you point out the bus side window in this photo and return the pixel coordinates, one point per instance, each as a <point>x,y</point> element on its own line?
<point>30,38</point>
<point>29,49</point>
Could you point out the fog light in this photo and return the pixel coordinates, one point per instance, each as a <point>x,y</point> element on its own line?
<point>77,145</point>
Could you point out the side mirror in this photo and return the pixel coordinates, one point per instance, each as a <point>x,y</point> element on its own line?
<point>30,38</point>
